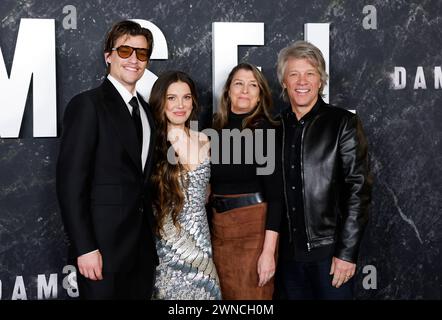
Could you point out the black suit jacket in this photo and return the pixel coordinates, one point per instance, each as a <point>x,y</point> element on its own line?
<point>103,193</point>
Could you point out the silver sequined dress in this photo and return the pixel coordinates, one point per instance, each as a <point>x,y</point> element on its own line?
<point>186,270</point>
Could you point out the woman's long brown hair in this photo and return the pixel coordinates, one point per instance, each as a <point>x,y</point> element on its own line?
<point>168,197</point>
<point>262,110</point>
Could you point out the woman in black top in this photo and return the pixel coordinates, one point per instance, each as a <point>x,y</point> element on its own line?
<point>246,187</point>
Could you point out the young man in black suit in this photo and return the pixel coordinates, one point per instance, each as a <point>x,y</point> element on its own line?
<point>103,174</point>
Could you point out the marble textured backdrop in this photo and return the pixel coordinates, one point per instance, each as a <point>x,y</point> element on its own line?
<point>403,240</point>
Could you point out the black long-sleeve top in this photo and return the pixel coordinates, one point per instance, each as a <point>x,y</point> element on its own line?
<point>231,178</point>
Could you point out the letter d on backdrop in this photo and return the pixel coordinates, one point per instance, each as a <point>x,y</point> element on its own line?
<point>34,58</point>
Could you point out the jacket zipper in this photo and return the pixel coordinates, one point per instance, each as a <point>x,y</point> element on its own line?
<point>303,193</point>
<point>284,180</point>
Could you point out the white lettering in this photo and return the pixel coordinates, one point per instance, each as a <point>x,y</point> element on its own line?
<point>399,78</point>
<point>370,20</point>
<point>268,309</point>
<point>36,36</point>
<point>70,281</point>
<point>160,51</point>
<point>227,36</point>
<point>419,81</point>
<point>369,281</point>
<point>319,35</point>
<point>70,21</point>
<point>46,290</point>
<point>19,292</point>
<point>437,77</point>
<point>185,310</point>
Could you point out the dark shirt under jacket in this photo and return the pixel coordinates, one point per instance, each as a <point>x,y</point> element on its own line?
<point>297,250</point>
<point>241,178</point>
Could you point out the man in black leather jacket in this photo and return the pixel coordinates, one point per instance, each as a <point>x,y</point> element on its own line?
<point>327,184</point>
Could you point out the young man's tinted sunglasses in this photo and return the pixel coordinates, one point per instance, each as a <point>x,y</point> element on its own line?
<point>125,52</point>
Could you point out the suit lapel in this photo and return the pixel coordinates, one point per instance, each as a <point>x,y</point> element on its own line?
<point>122,121</point>
<point>150,118</point>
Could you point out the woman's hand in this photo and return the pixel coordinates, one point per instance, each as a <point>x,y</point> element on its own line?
<point>266,267</point>
<point>266,262</point>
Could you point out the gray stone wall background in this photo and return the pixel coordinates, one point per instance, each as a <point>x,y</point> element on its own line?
<point>403,240</point>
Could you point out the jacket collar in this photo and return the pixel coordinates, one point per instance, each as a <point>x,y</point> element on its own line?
<point>150,119</point>
<point>122,121</point>
<point>287,112</point>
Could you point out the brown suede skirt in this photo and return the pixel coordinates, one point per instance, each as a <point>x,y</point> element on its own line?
<point>237,240</point>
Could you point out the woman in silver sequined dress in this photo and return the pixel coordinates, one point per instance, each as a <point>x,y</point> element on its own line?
<point>180,180</point>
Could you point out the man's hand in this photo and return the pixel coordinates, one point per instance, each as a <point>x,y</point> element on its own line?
<point>342,271</point>
<point>90,265</point>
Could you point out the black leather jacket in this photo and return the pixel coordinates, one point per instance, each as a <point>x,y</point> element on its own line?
<point>336,183</point>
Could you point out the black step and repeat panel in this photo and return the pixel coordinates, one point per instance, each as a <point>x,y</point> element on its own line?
<point>385,62</point>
